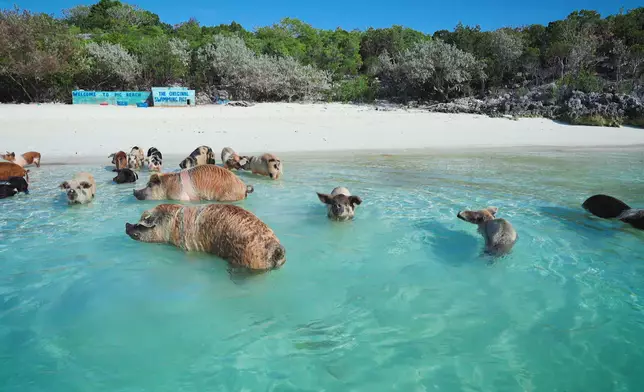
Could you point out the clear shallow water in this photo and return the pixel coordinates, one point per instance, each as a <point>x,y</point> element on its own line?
<point>399,299</point>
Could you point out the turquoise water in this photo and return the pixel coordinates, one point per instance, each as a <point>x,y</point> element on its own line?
<point>398,299</point>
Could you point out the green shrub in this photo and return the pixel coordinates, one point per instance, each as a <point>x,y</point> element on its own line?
<point>583,81</point>
<point>635,122</point>
<point>523,91</point>
<point>595,120</point>
<point>230,64</point>
<point>430,69</point>
<point>359,89</point>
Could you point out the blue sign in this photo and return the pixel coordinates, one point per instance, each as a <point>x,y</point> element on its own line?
<point>173,96</point>
<point>120,98</point>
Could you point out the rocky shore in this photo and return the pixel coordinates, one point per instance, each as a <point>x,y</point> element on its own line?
<point>549,101</point>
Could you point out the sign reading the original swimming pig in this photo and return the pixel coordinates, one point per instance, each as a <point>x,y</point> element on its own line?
<point>120,98</point>
<point>173,96</point>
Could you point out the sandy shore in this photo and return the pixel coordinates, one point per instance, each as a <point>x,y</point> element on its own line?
<point>59,131</point>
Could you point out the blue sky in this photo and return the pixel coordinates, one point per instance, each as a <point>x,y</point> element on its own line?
<point>427,16</point>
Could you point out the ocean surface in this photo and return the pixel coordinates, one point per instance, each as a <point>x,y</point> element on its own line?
<point>399,299</point>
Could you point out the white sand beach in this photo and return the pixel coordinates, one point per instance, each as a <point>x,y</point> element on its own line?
<point>67,131</point>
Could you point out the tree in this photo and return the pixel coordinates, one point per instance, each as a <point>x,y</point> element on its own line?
<point>112,65</point>
<point>393,41</point>
<point>635,61</point>
<point>39,57</point>
<point>530,64</point>
<point>619,58</point>
<point>431,69</point>
<point>164,61</point>
<point>505,48</point>
<point>228,63</point>
<point>573,44</point>
<point>190,32</point>
<point>279,40</point>
<point>468,39</point>
<point>111,44</point>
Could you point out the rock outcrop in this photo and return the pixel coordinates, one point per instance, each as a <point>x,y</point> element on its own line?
<point>549,101</point>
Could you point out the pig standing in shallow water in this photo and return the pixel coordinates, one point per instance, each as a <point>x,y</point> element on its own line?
<point>340,203</point>
<point>119,159</point>
<point>225,230</point>
<point>265,165</point>
<point>12,186</point>
<point>231,160</point>
<point>135,158</point>
<point>28,158</point>
<point>204,182</point>
<point>202,155</point>
<point>154,159</point>
<point>9,169</point>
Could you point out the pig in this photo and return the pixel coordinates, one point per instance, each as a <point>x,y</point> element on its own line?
<point>203,182</point>
<point>12,186</point>
<point>608,207</point>
<point>231,160</point>
<point>498,233</point>
<point>225,230</point>
<point>202,155</point>
<point>125,175</point>
<point>81,189</point>
<point>9,169</point>
<point>340,204</point>
<point>28,158</point>
<point>265,165</point>
<point>119,159</point>
<point>154,159</point>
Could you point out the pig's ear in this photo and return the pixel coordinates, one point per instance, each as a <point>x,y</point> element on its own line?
<point>85,185</point>
<point>149,219</point>
<point>355,200</point>
<point>324,198</point>
<point>155,179</point>
<point>64,185</point>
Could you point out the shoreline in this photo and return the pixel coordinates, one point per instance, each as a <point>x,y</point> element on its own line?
<point>78,132</point>
<point>343,154</point>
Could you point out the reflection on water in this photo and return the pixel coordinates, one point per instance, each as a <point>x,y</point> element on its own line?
<point>401,298</point>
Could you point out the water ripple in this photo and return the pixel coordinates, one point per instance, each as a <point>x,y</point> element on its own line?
<point>401,298</point>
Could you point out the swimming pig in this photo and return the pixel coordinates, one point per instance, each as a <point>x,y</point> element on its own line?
<point>28,158</point>
<point>154,159</point>
<point>225,230</point>
<point>12,186</point>
<point>607,207</point>
<point>80,189</point>
<point>125,175</point>
<point>202,155</point>
<point>119,159</point>
<point>499,234</point>
<point>9,169</point>
<point>340,203</point>
<point>231,160</point>
<point>204,182</point>
<point>138,152</point>
<point>135,158</point>
<point>188,163</point>
<point>265,165</point>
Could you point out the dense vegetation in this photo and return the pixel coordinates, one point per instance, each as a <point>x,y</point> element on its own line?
<point>112,45</point>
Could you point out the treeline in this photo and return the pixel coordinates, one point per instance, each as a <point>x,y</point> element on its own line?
<point>115,46</point>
